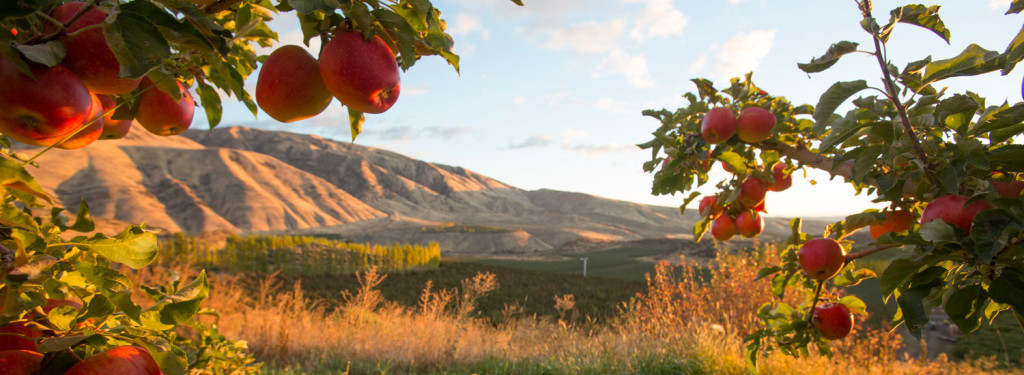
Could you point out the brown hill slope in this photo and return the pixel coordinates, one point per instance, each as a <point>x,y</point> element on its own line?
<point>246,180</point>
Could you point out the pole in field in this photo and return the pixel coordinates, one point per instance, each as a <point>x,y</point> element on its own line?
<point>584,259</point>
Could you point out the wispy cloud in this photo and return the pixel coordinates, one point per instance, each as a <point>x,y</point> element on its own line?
<point>519,100</point>
<point>599,149</point>
<point>743,52</point>
<point>587,37</point>
<point>602,104</point>
<point>998,4</point>
<point>465,24</point>
<point>660,19</point>
<point>633,68</point>
<point>535,141</point>
<point>411,133</point>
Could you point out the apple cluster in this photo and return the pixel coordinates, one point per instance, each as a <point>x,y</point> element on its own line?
<point>71,104</point>
<point>20,356</point>
<point>363,74</point>
<point>743,216</point>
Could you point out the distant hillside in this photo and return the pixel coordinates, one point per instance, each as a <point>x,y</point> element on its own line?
<point>244,180</point>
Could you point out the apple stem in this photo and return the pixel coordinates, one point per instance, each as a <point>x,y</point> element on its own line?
<point>817,295</point>
<point>61,27</point>
<point>879,248</point>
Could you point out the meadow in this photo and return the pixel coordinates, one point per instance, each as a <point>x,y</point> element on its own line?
<point>486,316</point>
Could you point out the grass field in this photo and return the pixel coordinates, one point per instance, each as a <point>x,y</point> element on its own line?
<point>623,263</point>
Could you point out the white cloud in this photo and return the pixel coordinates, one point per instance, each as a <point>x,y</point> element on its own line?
<point>998,4</point>
<point>603,104</point>
<point>634,68</point>
<point>587,37</point>
<point>571,134</point>
<point>519,100</point>
<point>406,134</point>
<point>535,141</point>
<point>699,63</point>
<point>464,24</point>
<point>660,19</point>
<point>598,149</point>
<point>414,90</point>
<point>743,53</point>
<point>734,2</point>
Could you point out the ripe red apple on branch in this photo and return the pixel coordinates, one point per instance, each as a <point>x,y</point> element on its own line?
<point>289,87</point>
<point>160,113</point>
<point>821,258</point>
<point>833,320</point>
<point>43,111</point>
<point>749,223</point>
<point>954,210</point>
<point>88,54</point>
<point>131,360</point>
<point>362,74</point>
<point>719,125</point>
<point>755,124</point>
<point>895,221</point>
<point>723,228</point>
<point>20,362</point>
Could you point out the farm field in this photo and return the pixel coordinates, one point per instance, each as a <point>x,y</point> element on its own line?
<point>514,316</point>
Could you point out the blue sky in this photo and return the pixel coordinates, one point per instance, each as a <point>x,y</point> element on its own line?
<point>550,94</point>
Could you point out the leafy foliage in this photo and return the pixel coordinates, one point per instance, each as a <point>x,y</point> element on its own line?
<point>209,45</point>
<point>907,146</point>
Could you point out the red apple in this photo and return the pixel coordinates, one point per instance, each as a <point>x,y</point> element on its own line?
<point>20,362</point>
<point>1010,189</point>
<point>25,339</point>
<point>760,207</point>
<point>127,360</point>
<point>91,132</point>
<point>723,228</point>
<point>755,124</point>
<point>951,209</point>
<point>752,192</point>
<point>362,75</point>
<point>43,111</point>
<point>783,180</point>
<point>289,87</point>
<point>88,54</point>
<point>719,125</point>
<point>895,221</point>
<point>833,320</point>
<point>749,223</point>
<point>160,114</point>
<point>709,206</point>
<point>821,258</point>
<point>112,129</point>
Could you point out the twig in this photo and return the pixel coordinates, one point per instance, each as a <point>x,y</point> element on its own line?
<point>861,254</point>
<point>817,294</point>
<point>61,27</point>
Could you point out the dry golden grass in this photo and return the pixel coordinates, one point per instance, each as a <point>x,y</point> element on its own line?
<point>688,321</point>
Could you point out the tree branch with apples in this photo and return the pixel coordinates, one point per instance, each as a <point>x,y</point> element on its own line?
<point>946,164</point>
<point>73,73</point>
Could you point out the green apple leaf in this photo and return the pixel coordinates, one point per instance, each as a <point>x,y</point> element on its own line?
<point>34,270</point>
<point>96,306</point>
<point>60,343</point>
<point>209,98</point>
<point>518,2</point>
<point>62,317</point>
<point>14,176</point>
<point>835,96</point>
<point>1014,52</point>
<point>135,247</point>
<point>135,41</point>
<point>856,305</point>
<point>974,60</point>
<point>401,33</point>
<point>113,285</point>
<point>736,161</point>
<point>1016,7</point>
<point>991,232</point>
<point>1001,118</point>
<point>896,273</point>
<point>50,53</point>
<point>966,306</point>
<point>356,120</point>
<point>918,15</point>
<point>1008,288</point>
<point>831,56</point>
<point>171,359</point>
<point>310,6</point>
<point>180,307</point>
<point>83,219</point>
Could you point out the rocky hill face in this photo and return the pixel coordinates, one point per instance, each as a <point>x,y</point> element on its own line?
<point>246,180</point>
